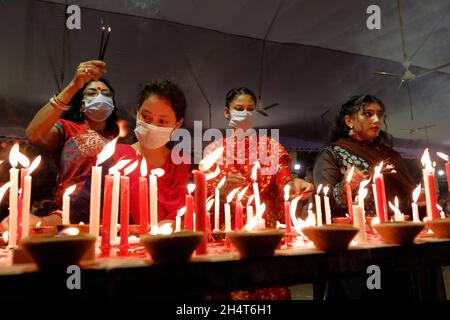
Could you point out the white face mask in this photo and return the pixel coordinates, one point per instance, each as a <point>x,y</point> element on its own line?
<point>151,136</point>
<point>241,119</point>
<point>98,108</point>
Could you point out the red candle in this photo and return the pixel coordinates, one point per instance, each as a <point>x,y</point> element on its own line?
<point>447,170</point>
<point>238,216</point>
<point>348,191</point>
<point>287,216</point>
<point>143,205</point>
<point>107,204</point>
<point>189,215</point>
<point>383,197</point>
<point>124,212</point>
<point>23,173</point>
<point>433,200</point>
<point>379,199</point>
<point>200,208</point>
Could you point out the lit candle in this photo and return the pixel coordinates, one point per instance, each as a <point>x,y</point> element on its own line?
<point>96,184</point>
<point>378,193</point>
<point>114,171</point>
<point>287,209</point>
<point>144,215</point>
<point>447,167</point>
<point>359,214</point>
<point>398,215</point>
<point>326,201</point>
<point>106,219</point>
<point>189,203</point>
<point>66,204</point>
<point>249,208</point>
<point>26,204</point>
<point>125,206</point>
<point>13,194</point>
<point>153,179</point>
<point>227,209</point>
<point>256,166</point>
<point>415,207</point>
<point>441,212</point>
<point>348,192</point>
<point>217,204</point>
<point>311,216</point>
<point>200,194</point>
<point>180,214</point>
<point>238,210</point>
<point>200,208</point>
<point>430,187</point>
<point>318,206</point>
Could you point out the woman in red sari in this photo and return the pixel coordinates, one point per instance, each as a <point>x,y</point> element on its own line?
<point>240,153</point>
<point>75,125</point>
<point>161,110</point>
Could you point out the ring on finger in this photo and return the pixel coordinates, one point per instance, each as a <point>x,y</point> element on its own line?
<point>86,70</point>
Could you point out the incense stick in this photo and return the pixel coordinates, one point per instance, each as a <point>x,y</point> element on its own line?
<point>102,55</point>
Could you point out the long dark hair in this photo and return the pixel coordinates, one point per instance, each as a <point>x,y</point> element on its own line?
<point>237,92</point>
<point>350,108</point>
<point>74,113</point>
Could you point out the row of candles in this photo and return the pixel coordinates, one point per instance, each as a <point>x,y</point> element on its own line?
<point>117,186</point>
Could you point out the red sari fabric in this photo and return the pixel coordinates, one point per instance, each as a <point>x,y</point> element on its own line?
<point>79,148</point>
<point>271,186</point>
<point>172,186</point>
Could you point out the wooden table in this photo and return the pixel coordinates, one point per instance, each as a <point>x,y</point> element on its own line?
<point>131,278</point>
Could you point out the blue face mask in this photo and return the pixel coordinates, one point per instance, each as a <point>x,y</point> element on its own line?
<point>98,108</point>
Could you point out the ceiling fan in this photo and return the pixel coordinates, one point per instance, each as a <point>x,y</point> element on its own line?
<point>259,105</point>
<point>407,74</point>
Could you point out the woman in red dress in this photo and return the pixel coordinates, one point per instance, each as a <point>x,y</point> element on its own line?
<point>75,124</point>
<point>161,110</point>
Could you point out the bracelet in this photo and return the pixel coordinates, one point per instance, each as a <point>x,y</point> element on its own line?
<point>57,104</point>
<point>59,100</point>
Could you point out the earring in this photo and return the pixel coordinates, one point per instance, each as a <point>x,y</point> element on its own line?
<point>351,132</point>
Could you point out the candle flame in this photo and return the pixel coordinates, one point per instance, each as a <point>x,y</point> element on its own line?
<point>350,174</point>
<point>426,161</point>
<point>181,212</point>
<point>106,152</point>
<point>209,204</point>
<point>72,231</point>
<point>212,175</point>
<point>13,155</point>
<point>395,209</point>
<point>131,168</point>
<point>143,168</point>
<point>255,168</point>
<point>3,190</point>
<point>23,159</point>
<point>319,188</point>
<point>221,182</point>
<point>310,206</point>
<point>5,236</point>
<point>242,193</point>
<point>377,170</point>
<point>442,156</point>
<point>157,172</point>
<point>287,190</point>
<point>438,207</point>
<point>250,199</point>
<point>34,165</point>
<point>206,163</point>
<point>375,221</point>
<point>416,193</point>
<point>325,190</point>
<point>232,194</point>
<point>260,210</point>
<point>118,166</point>
<point>69,190</point>
<point>38,225</point>
<point>123,131</point>
<point>190,188</point>
<point>252,223</point>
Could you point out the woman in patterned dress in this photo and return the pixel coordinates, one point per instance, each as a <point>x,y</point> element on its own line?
<point>359,141</point>
<point>75,124</point>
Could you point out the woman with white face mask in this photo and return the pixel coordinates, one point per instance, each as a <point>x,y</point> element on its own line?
<point>75,125</point>
<point>161,110</point>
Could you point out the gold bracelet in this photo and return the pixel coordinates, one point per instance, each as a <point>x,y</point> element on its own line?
<point>58,105</point>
